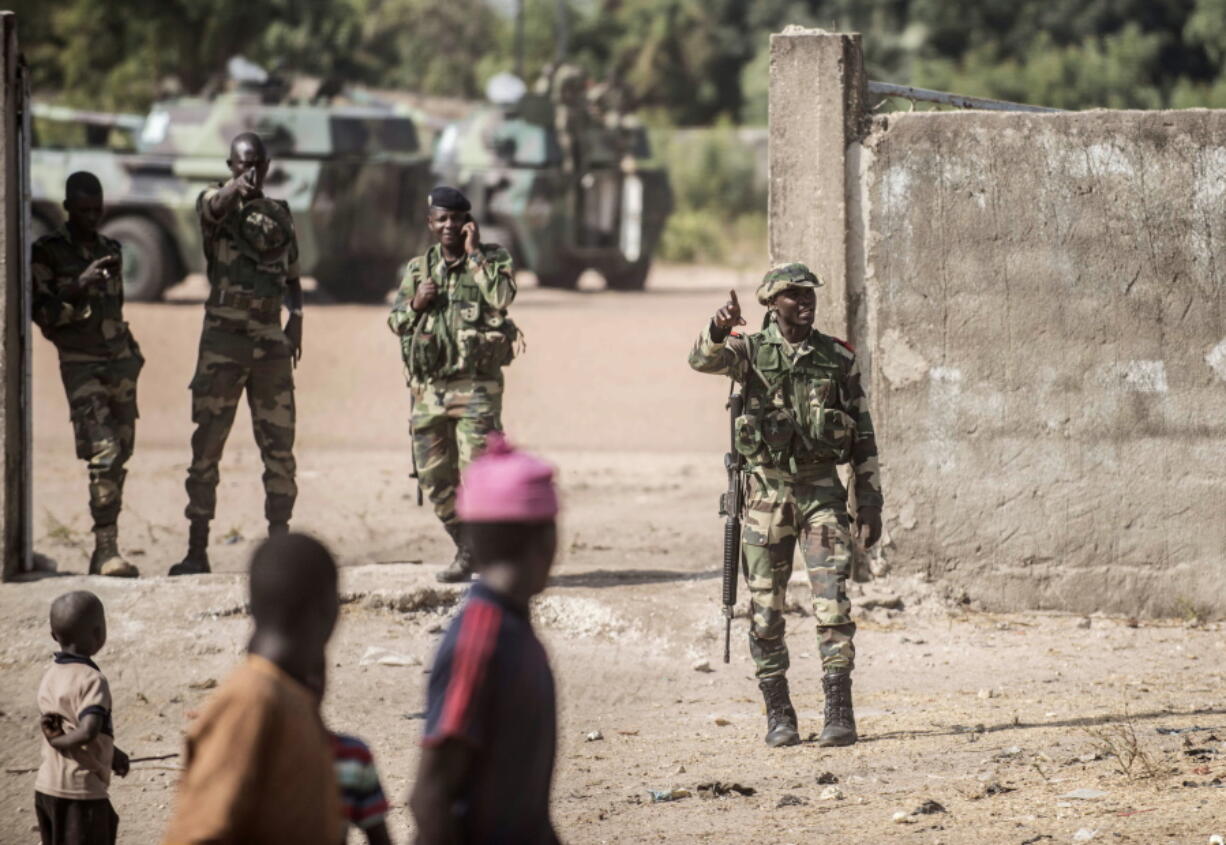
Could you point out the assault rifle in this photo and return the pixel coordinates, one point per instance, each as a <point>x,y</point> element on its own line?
<point>730,505</point>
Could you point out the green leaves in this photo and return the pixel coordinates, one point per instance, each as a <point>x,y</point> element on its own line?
<point>686,62</point>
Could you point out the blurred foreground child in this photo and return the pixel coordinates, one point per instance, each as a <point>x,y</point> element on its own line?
<point>259,762</point>
<point>488,750</point>
<point>70,792</point>
<point>363,803</point>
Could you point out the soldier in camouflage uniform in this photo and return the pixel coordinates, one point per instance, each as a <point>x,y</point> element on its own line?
<point>455,338</point>
<point>805,413</point>
<point>78,303</point>
<point>252,255</point>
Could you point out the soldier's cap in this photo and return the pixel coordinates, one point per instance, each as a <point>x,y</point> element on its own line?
<point>504,484</point>
<point>448,198</point>
<point>784,276</point>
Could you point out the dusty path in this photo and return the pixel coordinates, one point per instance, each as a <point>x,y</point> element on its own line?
<point>989,716</point>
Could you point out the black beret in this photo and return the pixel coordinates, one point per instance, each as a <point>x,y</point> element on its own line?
<point>448,198</point>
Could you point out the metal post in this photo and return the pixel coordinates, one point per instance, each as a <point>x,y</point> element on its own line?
<point>519,38</point>
<point>561,30</point>
<point>944,98</point>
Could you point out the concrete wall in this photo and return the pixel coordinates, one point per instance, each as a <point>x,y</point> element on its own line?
<point>1040,300</point>
<point>815,112</point>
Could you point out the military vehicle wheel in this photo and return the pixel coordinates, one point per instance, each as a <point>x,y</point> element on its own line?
<point>565,275</point>
<point>628,276</point>
<point>145,259</point>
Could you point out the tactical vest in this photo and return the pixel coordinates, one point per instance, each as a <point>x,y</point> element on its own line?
<point>460,334</point>
<point>795,412</point>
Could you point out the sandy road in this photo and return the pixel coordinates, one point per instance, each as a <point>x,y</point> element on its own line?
<point>989,716</point>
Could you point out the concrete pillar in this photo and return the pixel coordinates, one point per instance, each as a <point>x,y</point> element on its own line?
<point>14,307</point>
<point>816,94</point>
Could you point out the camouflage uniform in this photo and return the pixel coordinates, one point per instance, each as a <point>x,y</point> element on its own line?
<point>454,353</point>
<point>99,361</point>
<point>805,413</point>
<point>252,252</point>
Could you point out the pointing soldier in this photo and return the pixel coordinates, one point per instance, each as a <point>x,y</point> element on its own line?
<point>78,303</point>
<point>455,338</point>
<point>252,255</point>
<point>805,413</point>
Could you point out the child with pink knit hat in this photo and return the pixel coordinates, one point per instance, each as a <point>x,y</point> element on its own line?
<point>491,719</point>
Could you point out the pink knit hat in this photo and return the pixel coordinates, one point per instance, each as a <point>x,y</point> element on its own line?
<point>506,485</point>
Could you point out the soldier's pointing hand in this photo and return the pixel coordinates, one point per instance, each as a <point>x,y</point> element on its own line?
<point>99,270</point>
<point>730,315</point>
<point>425,295</point>
<point>247,183</point>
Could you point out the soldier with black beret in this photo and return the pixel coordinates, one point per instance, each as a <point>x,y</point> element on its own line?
<point>455,337</point>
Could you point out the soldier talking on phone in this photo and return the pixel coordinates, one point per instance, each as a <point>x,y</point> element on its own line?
<point>455,337</point>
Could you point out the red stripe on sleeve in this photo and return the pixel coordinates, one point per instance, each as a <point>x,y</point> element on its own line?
<point>474,645</point>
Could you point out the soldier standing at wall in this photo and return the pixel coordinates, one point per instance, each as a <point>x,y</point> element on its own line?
<point>805,412</point>
<point>78,303</point>
<point>252,255</point>
<point>455,337</point>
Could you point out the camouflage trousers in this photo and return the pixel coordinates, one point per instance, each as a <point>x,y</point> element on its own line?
<point>238,353</point>
<point>450,421</point>
<point>102,405</point>
<point>779,511</point>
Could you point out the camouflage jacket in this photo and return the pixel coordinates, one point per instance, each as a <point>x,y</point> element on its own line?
<point>234,245</point>
<point>804,404</point>
<point>465,331</point>
<point>89,327</point>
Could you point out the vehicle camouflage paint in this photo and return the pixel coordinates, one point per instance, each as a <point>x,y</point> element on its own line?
<point>562,180</point>
<point>355,178</point>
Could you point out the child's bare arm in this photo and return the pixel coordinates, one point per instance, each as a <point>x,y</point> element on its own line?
<point>53,729</point>
<point>120,764</point>
<point>439,775</point>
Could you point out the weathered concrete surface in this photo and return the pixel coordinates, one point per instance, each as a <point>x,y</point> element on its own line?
<point>816,91</point>
<point>1045,318</point>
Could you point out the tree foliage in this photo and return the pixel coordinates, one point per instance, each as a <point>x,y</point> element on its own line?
<point>689,62</point>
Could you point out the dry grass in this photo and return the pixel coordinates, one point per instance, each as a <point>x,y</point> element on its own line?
<point>1120,742</point>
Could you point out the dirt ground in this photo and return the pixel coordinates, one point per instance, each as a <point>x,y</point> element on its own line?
<point>1021,728</point>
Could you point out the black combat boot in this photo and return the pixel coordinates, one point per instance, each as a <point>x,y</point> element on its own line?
<point>780,717</point>
<point>197,560</point>
<point>840,727</point>
<point>278,529</point>
<point>106,559</point>
<point>461,568</point>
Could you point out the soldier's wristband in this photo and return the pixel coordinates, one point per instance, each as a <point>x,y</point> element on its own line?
<point>295,312</point>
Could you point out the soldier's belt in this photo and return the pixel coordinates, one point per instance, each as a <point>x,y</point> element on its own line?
<point>267,307</point>
<point>804,472</point>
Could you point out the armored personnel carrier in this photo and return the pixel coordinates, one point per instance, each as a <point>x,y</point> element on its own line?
<point>563,183</point>
<point>355,177</point>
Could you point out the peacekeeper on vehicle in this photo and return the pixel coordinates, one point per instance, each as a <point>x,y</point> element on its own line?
<point>252,255</point>
<point>805,413</point>
<point>455,337</point>
<point>77,277</point>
